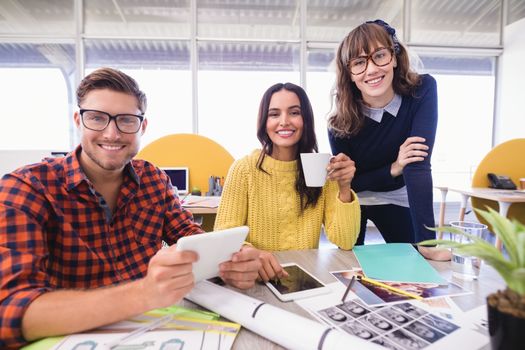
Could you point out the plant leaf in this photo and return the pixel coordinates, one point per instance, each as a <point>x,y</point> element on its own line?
<point>512,235</point>
<point>504,229</point>
<point>518,281</point>
<point>520,246</point>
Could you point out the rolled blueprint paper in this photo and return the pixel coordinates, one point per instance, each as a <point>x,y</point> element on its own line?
<point>280,326</point>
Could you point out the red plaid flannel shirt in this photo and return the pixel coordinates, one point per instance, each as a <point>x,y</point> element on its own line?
<point>57,232</point>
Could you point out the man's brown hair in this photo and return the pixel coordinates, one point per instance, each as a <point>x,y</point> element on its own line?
<point>112,79</point>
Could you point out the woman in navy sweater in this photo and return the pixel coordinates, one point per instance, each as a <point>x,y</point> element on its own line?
<point>385,120</point>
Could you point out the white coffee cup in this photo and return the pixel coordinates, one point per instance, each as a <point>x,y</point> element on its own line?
<point>522,184</point>
<point>314,168</point>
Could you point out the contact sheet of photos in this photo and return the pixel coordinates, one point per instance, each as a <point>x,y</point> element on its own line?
<point>398,326</point>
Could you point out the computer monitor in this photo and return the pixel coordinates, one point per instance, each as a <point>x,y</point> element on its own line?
<point>179,177</point>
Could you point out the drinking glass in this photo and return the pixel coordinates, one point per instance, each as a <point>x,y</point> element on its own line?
<point>464,266</point>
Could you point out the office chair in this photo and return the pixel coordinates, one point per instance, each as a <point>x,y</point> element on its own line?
<point>203,156</point>
<point>504,159</point>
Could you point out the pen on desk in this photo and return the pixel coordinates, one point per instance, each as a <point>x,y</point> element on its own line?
<point>139,331</point>
<point>183,198</point>
<point>348,288</point>
<point>393,289</point>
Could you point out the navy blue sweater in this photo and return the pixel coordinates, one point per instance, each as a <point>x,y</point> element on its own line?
<point>376,147</point>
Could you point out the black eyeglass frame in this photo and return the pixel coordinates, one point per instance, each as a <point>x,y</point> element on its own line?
<point>370,57</point>
<point>111,117</point>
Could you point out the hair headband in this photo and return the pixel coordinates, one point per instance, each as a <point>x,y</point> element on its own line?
<point>391,31</point>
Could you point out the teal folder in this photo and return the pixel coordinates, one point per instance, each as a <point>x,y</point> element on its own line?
<point>396,262</point>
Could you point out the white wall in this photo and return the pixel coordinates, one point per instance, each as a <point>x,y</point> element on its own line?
<point>510,121</point>
<point>12,159</point>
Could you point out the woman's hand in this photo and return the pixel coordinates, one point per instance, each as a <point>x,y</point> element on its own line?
<point>270,267</point>
<point>241,271</point>
<point>342,169</point>
<point>412,150</point>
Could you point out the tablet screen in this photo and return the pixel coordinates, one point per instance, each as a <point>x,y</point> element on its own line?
<point>297,281</point>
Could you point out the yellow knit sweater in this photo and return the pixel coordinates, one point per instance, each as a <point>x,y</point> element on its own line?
<point>269,205</point>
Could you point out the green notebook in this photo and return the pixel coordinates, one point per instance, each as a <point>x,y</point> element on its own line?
<point>396,262</point>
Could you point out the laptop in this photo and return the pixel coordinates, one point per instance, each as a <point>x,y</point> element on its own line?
<point>179,177</point>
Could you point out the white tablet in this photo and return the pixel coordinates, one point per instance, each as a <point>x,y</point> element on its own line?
<point>299,284</point>
<point>213,248</point>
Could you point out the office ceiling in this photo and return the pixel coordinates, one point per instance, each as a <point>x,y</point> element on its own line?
<point>252,18</point>
<point>157,30</point>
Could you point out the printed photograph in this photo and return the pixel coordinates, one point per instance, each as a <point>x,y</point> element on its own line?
<point>395,316</point>
<point>406,340</point>
<point>423,331</point>
<point>377,323</point>
<point>411,310</point>
<point>439,323</point>
<point>372,294</point>
<point>354,309</point>
<point>386,343</point>
<point>333,315</point>
<point>355,328</point>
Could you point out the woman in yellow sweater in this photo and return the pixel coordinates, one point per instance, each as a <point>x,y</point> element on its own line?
<point>266,190</point>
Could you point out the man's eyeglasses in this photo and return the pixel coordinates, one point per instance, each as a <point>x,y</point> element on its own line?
<point>98,121</point>
<point>381,57</point>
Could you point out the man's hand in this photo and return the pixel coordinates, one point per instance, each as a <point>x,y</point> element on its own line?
<point>169,277</point>
<point>412,150</point>
<point>270,267</point>
<point>241,270</point>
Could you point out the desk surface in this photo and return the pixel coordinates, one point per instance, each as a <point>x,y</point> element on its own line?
<point>201,211</point>
<point>507,196</point>
<point>321,262</point>
<point>201,204</point>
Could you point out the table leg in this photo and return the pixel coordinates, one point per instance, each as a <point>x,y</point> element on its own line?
<point>463,209</point>
<point>442,210</point>
<point>503,210</point>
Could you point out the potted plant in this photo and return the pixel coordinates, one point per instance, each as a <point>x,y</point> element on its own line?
<point>506,309</point>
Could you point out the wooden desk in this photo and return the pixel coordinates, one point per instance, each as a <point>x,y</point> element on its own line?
<point>207,213</point>
<point>201,211</point>
<point>321,262</point>
<point>505,199</point>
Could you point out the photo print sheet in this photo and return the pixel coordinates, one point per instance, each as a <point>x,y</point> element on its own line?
<point>397,326</point>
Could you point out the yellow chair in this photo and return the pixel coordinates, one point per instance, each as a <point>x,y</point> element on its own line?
<point>504,159</point>
<point>203,157</point>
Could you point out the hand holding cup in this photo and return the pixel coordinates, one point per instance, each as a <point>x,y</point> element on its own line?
<point>341,169</point>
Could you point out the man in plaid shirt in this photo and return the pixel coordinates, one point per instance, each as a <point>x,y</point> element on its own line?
<point>81,236</point>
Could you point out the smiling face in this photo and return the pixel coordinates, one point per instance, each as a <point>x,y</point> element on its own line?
<point>375,83</point>
<point>108,151</point>
<point>284,125</point>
